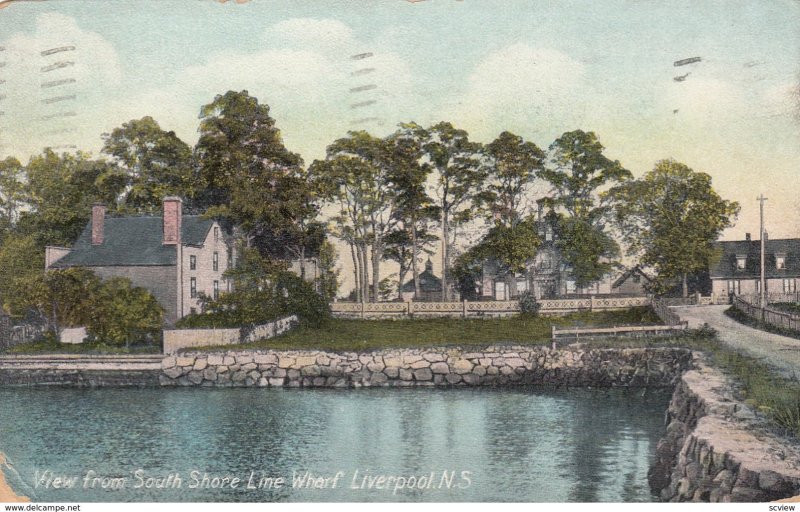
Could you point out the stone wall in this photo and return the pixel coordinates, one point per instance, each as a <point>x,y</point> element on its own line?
<point>717,449</point>
<point>178,339</point>
<point>511,365</point>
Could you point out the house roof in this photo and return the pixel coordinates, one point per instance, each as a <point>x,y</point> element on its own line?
<point>628,273</point>
<point>728,251</point>
<point>133,241</point>
<point>428,282</point>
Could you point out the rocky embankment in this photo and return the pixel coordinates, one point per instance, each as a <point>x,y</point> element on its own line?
<point>655,367</point>
<point>718,449</point>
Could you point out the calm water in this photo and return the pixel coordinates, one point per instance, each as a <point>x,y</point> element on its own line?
<point>510,444</point>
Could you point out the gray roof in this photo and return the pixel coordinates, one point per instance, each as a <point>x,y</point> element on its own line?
<point>725,267</point>
<point>428,282</point>
<point>133,241</point>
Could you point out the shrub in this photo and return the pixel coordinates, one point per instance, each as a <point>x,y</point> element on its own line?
<point>528,305</point>
<point>123,314</point>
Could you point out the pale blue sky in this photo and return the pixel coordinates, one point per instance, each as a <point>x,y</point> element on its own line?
<point>533,67</point>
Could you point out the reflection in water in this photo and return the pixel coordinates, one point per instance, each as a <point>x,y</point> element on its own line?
<point>517,444</point>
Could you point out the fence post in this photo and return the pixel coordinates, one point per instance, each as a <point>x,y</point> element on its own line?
<point>362,308</point>
<point>464,309</point>
<point>409,308</point>
<point>591,302</point>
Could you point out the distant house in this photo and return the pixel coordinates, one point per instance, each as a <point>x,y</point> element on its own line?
<point>430,286</point>
<point>736,269</point>
<point>546,276</point>
<point>632,281</point>
<point>176,257</point>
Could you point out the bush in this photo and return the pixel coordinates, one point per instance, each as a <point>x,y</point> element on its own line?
<point>123,314</point>
<point>253,303</point>
<point>528,305</point>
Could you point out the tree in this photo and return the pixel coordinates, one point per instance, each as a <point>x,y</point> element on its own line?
<point>360,174</point>
<point>513,167</point>
<point>458,173</point>
<point>579,174</point>
<point>153,163</point>
<point>22,285</point>
<point>122,313</point>
<point>415,210</point>
<point>671,217</point>
<point>59,193</point>
<point>11,193</point>
<point>242,159</point>
<point>328,273</point>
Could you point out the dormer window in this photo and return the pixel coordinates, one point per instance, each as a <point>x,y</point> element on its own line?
<point>780,261</point>
<point>741,260</point>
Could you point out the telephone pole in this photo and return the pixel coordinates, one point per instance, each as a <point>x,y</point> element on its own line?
<point>763,290</point>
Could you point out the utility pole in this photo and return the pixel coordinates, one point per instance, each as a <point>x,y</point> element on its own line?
<point>763,294</point>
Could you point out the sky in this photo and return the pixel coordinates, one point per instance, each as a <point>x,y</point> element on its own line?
<point>536,68</point>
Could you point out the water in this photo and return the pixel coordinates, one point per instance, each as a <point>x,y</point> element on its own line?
<point>511,444</point>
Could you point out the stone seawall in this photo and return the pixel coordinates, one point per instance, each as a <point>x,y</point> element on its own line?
<point>80,370</point>
<point>511,365</point>
<point>717,449</point>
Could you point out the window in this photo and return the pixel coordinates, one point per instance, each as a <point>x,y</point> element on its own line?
<point>216,233</point>
<point>571,288</point>
<point>789,286</point>
<point>758,285</point>
<point>734,286</point>
<point>215,261</point>
<point>740,261</point>
<point>192,311</point>
<point>522,286</point>
<point>549,235</point>
<point>192,262</point>
<point>193,287</point>
<point>216,290</point>
<point>780,262</point>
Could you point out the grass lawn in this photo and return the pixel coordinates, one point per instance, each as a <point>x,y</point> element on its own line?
<point>354,335</point>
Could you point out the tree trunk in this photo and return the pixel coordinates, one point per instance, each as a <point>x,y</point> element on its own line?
<point>356,270</point>
<point>685,286</point>
<point>401,277</point>
<point>364,272</point>
<point>414,253</point>
<point>303,263</point>
<point>445,255</point>
<point>376,268</point>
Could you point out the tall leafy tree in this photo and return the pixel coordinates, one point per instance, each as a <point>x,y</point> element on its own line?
<point>12,186</point>
<point>415,209</point>
<point>153,163</point>
<point>360,174</point>
<point>513,166</point>
<point>59,193</point>
<point>458,174</point>
<point>580,174</point>
<point>670,217</point>
<point>241,159</point>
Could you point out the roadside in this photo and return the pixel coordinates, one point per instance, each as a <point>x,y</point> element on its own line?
<point>780,352</point>
<point>7,495</point>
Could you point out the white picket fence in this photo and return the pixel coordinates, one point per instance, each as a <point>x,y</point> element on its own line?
<point>465,309</point>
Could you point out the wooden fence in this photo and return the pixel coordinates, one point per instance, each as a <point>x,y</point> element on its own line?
<point>767,315</point>
<point>577,333</point>
<point>466,308</point>
<point>13,335</point>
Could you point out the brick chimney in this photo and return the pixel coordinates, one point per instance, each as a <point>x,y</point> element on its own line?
<point>98,219</point>
<point>173,213</point>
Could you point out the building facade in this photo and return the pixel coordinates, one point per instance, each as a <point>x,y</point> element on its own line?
<point>736,269</point>
<point>178,258</point>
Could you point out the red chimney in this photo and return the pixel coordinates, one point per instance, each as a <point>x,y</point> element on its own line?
<point>98,218</point>
<point>173,212</point>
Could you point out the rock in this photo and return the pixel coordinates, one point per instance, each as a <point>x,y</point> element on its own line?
<point>215,360</point>
<point>244,359</point>
<point>210,374</point>
<point>184,361</point>
<point>239,376</point>
<point>741,494</point>
<point>420,364</point>
<point>433,357</point>
<point>168,362</point>
<point>442,368</point>
<point>265,359</point>
<point>318,381</point>
<point>201,363</point>
<point>453,378</point>
<point>195,377</point>
<point>376,366</point>
<point>323,360</point>
<point>479,371</point>
<point>302,361</point>
<point>378,378</point>
<point>173,373</point>
<point>471,379</point>
<point>406,374</point>
<point>773,482</point>
<point>248,367</point>
<point>222,369</point>
<point>310,371</point>
<point>423,374</point>
<point>393,362</point>
<point>515,362</point>
<point>277,382</point>
<point>391,372</point>
<point>285,361</point>
<point>462,366</point>
<point>228,360</point>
